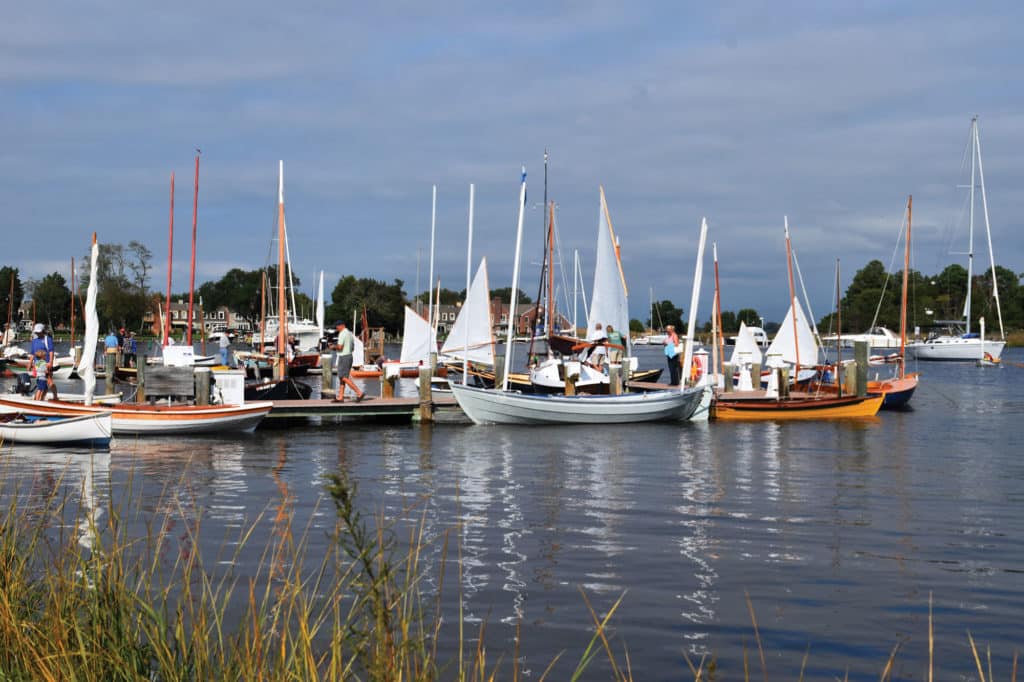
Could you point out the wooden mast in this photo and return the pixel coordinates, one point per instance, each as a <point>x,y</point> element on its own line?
<point>192,273</point>
<point>263,314</point>
<point>170,259</point>
<point>10,311</point>
<point>73,308</point>
<point>549,313</point>
<point>282,313</point>
<point>792,299</point>
<point>839,332</point>
<point>718,316</point>
<point>906,279</point>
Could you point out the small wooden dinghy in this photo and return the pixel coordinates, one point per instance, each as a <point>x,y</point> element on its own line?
<point>88,430</point>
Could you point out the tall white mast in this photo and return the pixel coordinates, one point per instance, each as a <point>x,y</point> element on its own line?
<point>970,239</point>
<point>469,275</point>
<point>430,278</point>
<point>575,289</point>
<point>515,285</point>
<point>988,231</point>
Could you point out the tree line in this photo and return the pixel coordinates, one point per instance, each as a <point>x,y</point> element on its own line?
<point>125,297</point>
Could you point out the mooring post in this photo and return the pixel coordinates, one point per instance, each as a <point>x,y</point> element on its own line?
<point>727,378</point>
<point>499,370</point>
<point>140,378</point>
<point>860,354</point>
<point>755,375</point>
<point>388,376</point>
<point>201,377</point>
<point>109,361</point>
<point>327,373</point>
<point>426,400</point>
<point>783,382</point>
<point>615,378</point>
<point>572,375</point>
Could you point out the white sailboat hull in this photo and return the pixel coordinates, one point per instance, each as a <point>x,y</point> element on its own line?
<point>87,429</point>
<point>955,349</point>
<point>491,406</point>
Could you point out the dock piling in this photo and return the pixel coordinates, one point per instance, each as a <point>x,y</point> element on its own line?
<point>327,373</point>
<point>109,363</point>
<point>201,376</point>
<point>140,379</point>
<point>426,400</point>
<point>860,354</point>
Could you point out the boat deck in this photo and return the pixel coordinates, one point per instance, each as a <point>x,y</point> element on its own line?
<point>373,408</point>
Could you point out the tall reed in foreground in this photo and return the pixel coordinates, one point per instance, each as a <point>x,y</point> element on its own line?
<point>101,604</point>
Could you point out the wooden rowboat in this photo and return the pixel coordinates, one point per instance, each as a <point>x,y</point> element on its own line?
<point>87,430</point>
<point>753,405</point>
<point>154,419</point>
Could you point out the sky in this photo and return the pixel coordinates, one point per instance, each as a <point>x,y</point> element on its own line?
<point>743,113</point>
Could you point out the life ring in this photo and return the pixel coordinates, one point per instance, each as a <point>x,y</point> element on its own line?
<point>696,368</point>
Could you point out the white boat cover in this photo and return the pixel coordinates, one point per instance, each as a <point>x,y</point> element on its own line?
<point>746,349</point>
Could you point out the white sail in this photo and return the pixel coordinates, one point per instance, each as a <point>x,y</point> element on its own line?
<point>470,336</point>
<point>784,346</point>
<point>358,352</point>
<point>418,339</point>
<point>608,302</point>
<point>92,329</point>
<point>746,349</point>
<point>320,305</point>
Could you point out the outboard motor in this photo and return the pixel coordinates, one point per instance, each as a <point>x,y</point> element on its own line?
<point>24,384</point>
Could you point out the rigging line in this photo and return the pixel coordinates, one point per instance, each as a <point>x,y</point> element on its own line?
<point>888,271</point>
<point>561,265</point>
<point>807,300</point>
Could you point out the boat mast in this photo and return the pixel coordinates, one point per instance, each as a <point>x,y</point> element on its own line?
<point>694,298</point>
<point>718,315</point>
<point>970,239</point>
<point>792,297</point>
<point>549,312</point>
<point>263,314</point>
<point>469,276</point>
<point>282,305</point>
<point>170,258</point>
<point>515,285</point>
<point>906,279</point>
<point>575,290</point>
<point>72,308</point>
<point>430,277</point>
<point>839,332</point>
<point>988,231</point>
<point>192,270</point>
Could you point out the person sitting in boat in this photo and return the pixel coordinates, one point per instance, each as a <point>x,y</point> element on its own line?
<point>615,345</point>
<point>595,355</point>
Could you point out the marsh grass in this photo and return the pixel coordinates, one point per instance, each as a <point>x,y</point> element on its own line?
<point>98,604</point>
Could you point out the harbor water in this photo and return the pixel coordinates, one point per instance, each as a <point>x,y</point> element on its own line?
<point>831,536</point>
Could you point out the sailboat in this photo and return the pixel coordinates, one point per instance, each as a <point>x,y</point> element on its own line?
<point>899,389</point>
<point>501,406</point>
<point>471,338</point>
<point>129,419</point>
<point>968,346</point>
<point>793,345</point>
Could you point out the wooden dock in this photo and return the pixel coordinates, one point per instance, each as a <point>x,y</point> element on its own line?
<point>444,409</point>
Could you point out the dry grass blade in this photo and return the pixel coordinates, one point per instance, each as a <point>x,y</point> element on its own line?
<point>931,641</point>
<point>887,671</point>
<point>977,659</point>
<point>601,624</point>
<point>803,663</point>
<point>757,636</point>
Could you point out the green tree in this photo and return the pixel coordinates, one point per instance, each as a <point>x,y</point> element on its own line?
<point>668,314</point>
<point>10,303</point>
<point>239,290</point>
<point>448,297</point>
<point>636,326</point>
<point>505,294</point>
<point>384,303</point>
<point>749,316</point>
<point>52,299</point>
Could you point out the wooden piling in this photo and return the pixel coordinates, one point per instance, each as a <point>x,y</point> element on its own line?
<point>572,375</point>
<point>201,377</point>
<point>615,379</point>
<point>109,367</point>
<point>755,375</point>
<point>499,370</point>
<point>327,373</point>
<point>860,355</point>
<point>426,400</point>
<point>140,379</point>
<point>783,382</point>
<point>727,377</point>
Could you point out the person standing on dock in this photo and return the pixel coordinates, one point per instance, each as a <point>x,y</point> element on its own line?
<point>43,343</point>
<point>224,343</point>
<point>344,345</point>
<point>672,354</point>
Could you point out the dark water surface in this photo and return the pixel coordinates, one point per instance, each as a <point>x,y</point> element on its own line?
<point>838,532</point>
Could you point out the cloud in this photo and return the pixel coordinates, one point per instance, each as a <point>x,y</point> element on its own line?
<point>743,113</point>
